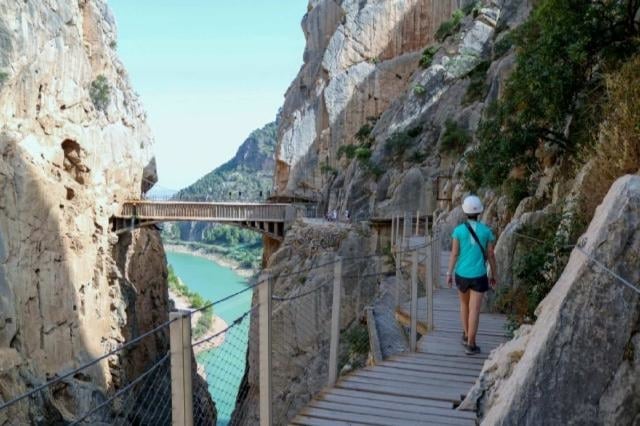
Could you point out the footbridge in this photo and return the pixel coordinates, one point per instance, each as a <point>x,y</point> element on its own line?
<point>271,219</point>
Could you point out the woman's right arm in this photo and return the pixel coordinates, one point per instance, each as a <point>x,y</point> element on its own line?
<point>455,250</point>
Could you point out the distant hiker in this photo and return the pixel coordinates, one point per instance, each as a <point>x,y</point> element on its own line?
<point>334,215</point>
<point>347,216</point>
<point>473,244</point>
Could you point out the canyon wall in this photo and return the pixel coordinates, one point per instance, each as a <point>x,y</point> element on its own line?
<point>358,59</point>
<point>74,142</point>
<point>385,118</point>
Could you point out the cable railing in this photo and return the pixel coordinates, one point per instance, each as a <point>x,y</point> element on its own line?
<point>590,258</point>
<point>313,321</point>
<point>127,402</point>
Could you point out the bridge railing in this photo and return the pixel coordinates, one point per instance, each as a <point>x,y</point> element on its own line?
<point>179,210</point>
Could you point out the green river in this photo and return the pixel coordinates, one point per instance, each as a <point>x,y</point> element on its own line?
<point>224,365</point>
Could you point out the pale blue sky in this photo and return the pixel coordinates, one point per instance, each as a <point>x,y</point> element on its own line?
<point>208,72</point>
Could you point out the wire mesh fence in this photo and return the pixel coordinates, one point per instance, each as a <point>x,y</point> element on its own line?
<point>221,360</point>
<point>127,385</point>
<point>146,400</point>
<point>319,331</point>
<point>300,347</point>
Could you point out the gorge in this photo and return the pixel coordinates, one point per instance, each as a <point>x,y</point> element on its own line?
<point>401,107</point>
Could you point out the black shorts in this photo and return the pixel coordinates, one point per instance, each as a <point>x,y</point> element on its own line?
<point>479,284</point>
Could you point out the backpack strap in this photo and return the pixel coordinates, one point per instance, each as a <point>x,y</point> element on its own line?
<point>475,237</point>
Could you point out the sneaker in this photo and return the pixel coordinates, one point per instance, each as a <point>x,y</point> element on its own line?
<point>464,340</point>
<point>472,350</point>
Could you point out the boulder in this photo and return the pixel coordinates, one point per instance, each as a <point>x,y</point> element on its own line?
<point>578,364</point>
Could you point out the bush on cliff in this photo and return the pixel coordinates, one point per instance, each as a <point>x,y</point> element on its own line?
<point>450,27</point>
<point>100,93</point>
<point>560,49</point>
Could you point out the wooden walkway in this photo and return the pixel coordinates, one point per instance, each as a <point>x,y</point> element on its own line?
<point>418,388</point>
<point>270,219</point>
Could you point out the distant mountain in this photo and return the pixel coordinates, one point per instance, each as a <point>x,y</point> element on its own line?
<point>247,177</point>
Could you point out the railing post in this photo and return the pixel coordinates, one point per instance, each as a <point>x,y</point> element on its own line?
<point>414,301</point>
<point>335,323</point>
<point>396,292</point>
<point>436,257</point>
<point>406,230</point>
<point>417,223</point>
<point>181,372</point>
<point>264,296</point>
<point>428,265</point>
<point>393,229</point>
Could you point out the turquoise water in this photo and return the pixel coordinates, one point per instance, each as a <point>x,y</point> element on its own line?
<point>224,365</point>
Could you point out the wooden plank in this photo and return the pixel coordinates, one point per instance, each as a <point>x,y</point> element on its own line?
<point>448,366</point>
<point>379,420</point>
<point>423,407</point>
<point>418,379</point>
<point>450,393</point>
<point>411,385</point>
<point>395,399</point>
<point>397,414</point>
<point>433,358</point>
<point>426,375</point>
<point>460,370</point>
<point>312,421</point>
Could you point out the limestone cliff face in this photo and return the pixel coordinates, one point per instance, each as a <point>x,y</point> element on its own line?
<point>69,291</point>
<point>359,58</point>
<point>579,363</point>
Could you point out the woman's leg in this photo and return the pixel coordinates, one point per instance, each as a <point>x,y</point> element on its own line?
<point>464,311</point>
<point>475,302</point>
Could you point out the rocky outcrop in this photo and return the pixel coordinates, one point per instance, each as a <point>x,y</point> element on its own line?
<point>359,58</point>
<point>303,270</point>
<point>579,363</point>
<point>73,143</point>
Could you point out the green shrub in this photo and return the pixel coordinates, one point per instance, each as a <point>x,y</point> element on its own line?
<point>354,350</point>
<point>363,153</point>
<point>502,46</point>
<point>539,264</point>
<point>472,8</point>
<point>374,169</point>
<point>427,56</point>
<point>113,44</point>
<point>100,93</point>
<point>4,76</point>
<point>477,89</point>
<point>450,27</point>
<point>348,151</point>
<point>204,323</point>
<point>454,138</point>
<point>419,90</point>
<point>417,156</point>
<point>558,48</point>
<point>516,190</point>
<point>326,169</point>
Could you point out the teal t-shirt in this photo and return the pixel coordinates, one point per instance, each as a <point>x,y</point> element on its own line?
<point>470,262</point>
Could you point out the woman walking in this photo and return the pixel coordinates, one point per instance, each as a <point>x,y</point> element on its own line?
<point>473,244</point>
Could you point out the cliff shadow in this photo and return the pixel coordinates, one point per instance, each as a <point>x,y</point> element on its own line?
<point>61,305</point>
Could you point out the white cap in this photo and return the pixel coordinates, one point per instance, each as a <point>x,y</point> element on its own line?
<point>472,205</point>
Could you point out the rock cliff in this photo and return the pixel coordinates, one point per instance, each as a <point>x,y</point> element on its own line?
<point>359,58</point>
<point>73,143</point>
<point>407,106</point>
<point>580,362</point>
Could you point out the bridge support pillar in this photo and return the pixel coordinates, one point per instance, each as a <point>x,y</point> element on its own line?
<point>269,246</point>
